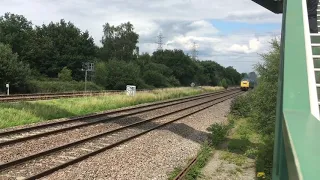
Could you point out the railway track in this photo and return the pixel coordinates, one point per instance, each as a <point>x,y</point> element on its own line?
<point>42,163</point>
<point>18,135</point>
<point>43,96</point>
<point>185,170</point>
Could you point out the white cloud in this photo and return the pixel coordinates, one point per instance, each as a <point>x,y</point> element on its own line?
<point>202,28</point>
<point>254,46</point>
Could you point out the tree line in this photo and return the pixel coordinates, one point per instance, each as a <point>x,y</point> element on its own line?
<point>31,56</point>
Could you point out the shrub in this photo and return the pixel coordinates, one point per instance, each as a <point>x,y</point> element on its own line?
<point>265,157</point>
<point>218,133</point>
<point>59,86</point>
<point>115,74</point>
<point>155,79</point>
<point>65,74</point>
<point>224,83</point>
<point>173,81</point>
<point>12,70</point>
<point>240,106</point>
<point>260,107</point>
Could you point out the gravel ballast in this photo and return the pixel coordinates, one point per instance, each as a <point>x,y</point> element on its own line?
<point>153,155</point>
<point>23,149</point>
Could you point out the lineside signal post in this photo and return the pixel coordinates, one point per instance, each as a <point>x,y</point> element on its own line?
<point>87,67</point>
<point>131,90</point>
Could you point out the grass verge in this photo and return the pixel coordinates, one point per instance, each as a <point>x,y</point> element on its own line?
<point>245,143</point>
<point>21,113</point>
<point>237,142</point>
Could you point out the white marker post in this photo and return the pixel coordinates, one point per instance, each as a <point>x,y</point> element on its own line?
<point>7,86</point>
<point>131,90</point>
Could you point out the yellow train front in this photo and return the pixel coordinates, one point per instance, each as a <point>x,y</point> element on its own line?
<point>245,84</point>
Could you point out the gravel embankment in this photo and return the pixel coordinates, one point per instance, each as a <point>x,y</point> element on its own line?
<point>33,167</point>
<point>23,149</point>
<point>153,155</point>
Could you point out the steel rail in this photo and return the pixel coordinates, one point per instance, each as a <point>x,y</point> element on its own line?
<point>56,149</point>
<point>81,118</point>
<point>73,161</point>
<point>184,172</point>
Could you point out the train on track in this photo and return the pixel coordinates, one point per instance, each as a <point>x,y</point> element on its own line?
<point>247,84</point>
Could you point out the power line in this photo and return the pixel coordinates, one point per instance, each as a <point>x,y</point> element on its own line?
<point>160,41</point>
<point>194,51</point>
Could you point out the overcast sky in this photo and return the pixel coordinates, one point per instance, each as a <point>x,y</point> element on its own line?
<point>230,32</point>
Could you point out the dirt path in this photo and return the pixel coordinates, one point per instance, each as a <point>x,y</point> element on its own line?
<point>223,166</point>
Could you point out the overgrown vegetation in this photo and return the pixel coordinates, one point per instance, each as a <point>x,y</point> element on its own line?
<point>174,173</point>
<point>53,86</point>
<point>258,107</point>
<point>252,121</point>
<point>12,70</point>
<point>19,113</point>
<point>224,83</point>
<point>244,142</point>
<point>218,133</point>
<point>59,51</point>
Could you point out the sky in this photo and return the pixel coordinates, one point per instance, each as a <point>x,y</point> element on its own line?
<point>230,32</point>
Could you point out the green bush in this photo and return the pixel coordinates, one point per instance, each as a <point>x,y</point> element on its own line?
<point>265,94</point>
<point>259,106</point>
<point>116,74</point>
<point>12,70</point>
<point>224,83</point>
<point>59,86</point>
<point>65,74</point>
<point>173,81</point>
<point>218,133</point>
<point>240,106</point>
<point>265,157</point>
<point>155,79</point>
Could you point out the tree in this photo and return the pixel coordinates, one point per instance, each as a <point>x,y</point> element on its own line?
<point>117,74</point>
<point>201,78</point>
<point>263,102</point>
<point>101,74</point>
<point>244,75</point>
<point>58,45</point>
<point>16,31</point>
<point>119,42</point>
<point>233,75</point>
<point>155,79</point>
<point>265,95</point>
<point>224,83</point>
<point>212,70</point>
<point>183,68</point>
<point>65,74</point>
<point>12,70</point>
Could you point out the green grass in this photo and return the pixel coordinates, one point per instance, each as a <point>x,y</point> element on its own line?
<point>20,113</point>
<point>245,140</point>
<point>174,173</point>
<point>236,159</point>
